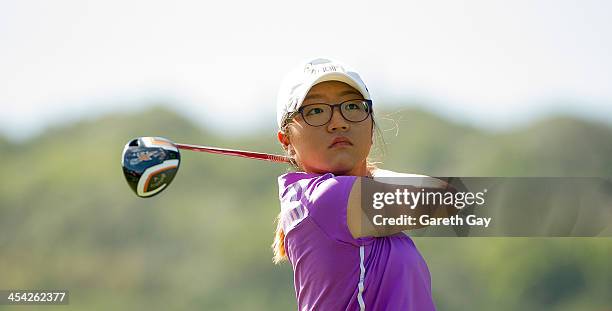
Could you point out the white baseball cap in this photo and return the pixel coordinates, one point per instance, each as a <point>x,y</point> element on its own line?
<point>298,82</point>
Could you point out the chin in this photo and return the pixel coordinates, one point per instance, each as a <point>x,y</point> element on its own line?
<point>342,166</point>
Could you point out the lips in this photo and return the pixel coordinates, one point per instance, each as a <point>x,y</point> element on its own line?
<point>340,141</point>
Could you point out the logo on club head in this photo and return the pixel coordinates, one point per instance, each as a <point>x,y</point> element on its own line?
<point>144,156</point>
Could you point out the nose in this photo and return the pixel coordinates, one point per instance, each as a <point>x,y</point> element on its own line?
<point>337,121</point>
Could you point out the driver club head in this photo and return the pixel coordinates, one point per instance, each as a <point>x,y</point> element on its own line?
<point>150,164</point>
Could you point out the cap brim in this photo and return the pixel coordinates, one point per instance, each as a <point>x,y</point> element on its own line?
<point>342,77</point>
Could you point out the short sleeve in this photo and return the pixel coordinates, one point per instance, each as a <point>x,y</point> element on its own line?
<point>325,200</point>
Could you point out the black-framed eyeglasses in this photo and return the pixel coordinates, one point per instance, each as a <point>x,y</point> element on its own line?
<point>319,114</point>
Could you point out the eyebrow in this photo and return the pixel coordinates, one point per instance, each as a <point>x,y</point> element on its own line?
<point>343,93</point>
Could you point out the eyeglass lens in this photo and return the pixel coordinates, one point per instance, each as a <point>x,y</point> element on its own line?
<point>320,114</point>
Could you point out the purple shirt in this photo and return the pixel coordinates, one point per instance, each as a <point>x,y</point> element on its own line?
<point>334,271</point>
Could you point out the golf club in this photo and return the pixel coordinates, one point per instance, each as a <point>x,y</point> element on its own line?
<point>150,163</point>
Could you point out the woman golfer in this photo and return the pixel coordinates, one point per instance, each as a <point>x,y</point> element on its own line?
<point>326,126</point>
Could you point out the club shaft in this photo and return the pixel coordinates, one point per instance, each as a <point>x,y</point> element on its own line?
<point>238,153</point>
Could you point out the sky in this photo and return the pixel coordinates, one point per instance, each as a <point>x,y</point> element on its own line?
<point>493,64</point>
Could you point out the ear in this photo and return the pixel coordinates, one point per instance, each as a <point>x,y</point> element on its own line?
<point>283,139</point>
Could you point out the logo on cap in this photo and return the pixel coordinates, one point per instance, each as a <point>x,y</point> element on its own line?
<point>320,66</point>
